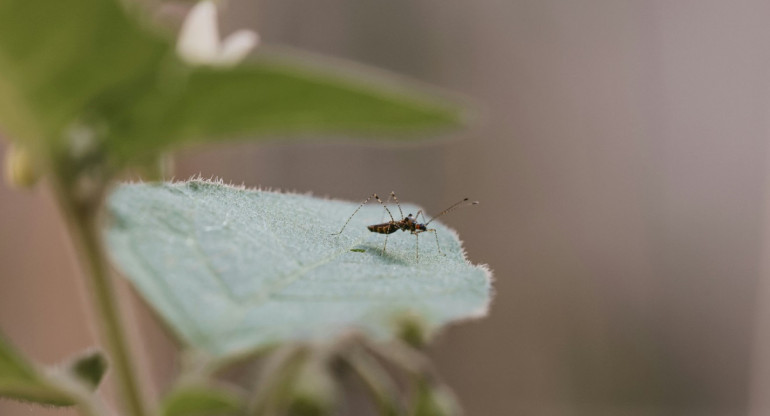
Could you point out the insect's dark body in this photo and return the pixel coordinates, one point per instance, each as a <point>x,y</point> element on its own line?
<point>408,223</point>
<point>390,227</point>
<point>384,228</point>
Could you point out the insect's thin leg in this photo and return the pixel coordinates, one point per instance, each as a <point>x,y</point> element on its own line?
<point>356,211</point>
<point>392,220</point>
<point>433,230</point>
<point>387,201</point>
<point>384,206</point>
<point>393,195</point>
<point>385,245</point>
<point>435,234</point>
<point>452,208</point>
<point>416,217</point>
<point>417,246</point>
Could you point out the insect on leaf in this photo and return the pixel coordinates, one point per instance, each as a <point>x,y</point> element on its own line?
<point>233,270</point>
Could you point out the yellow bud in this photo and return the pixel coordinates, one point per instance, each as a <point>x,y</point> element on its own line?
<point>412,329</point>
<point>21,171</point>
<point>435,400</point>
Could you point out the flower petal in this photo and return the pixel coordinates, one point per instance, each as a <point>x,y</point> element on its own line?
<point>236,46</point>
<point>199,38</point>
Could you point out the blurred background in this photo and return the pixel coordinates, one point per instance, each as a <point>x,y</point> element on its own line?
<point>622,167</point>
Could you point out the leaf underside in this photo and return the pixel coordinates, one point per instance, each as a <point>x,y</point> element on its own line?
<point>234,270</point>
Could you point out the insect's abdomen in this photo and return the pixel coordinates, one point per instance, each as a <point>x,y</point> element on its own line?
<point>384,228</point>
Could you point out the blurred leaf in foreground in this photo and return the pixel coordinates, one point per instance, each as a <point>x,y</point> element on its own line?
<point>277,95</point>
<point>88,80</point>
<point>201,400</point>
<point>57,58</point>
<point>234,270</point>
<point>22,380</point>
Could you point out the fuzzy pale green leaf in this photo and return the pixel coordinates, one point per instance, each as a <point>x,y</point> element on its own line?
<point>234,270</point>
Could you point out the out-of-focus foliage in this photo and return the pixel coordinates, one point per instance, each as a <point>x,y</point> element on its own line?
<point>201,400</point>
<point>86,78</point>
<point>22,380</point>
<point>89,87</point>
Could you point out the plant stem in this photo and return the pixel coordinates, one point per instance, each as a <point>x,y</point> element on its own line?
<point>83,225</point>
<point>87,403</point>
<point>376,379</point>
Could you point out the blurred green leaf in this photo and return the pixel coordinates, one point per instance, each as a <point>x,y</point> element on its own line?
<point>233,270</point>
<point>89,368</point>
<point>21,380</point>
<point>273,96</point>
<point>91,66</point>
<point>58,58</point>
<point>201,400</point>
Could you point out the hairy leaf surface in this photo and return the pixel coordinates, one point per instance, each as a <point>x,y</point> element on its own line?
<point>233,270</point>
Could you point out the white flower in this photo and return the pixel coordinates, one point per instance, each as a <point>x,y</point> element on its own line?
<point>199,42</point>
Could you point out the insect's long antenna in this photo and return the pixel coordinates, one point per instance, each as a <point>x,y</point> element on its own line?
<point>452,208</point>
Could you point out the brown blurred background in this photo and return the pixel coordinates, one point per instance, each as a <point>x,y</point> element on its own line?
<point>622,167</point>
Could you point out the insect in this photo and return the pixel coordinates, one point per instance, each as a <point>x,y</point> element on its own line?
<point>409,223</point>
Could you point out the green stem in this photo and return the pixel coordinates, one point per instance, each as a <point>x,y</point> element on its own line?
<point>87,403</point>
<point>83,226</point>
<point>278,371</point>
<point>376,379</point>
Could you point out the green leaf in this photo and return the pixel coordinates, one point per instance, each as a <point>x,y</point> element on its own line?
<point>278,95</point>
<point>57,59</point>
<point>89,71</point>
<point>234,270</point>
<point>89,368</point>
<point>22,380</point>
<point>201,400</point>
